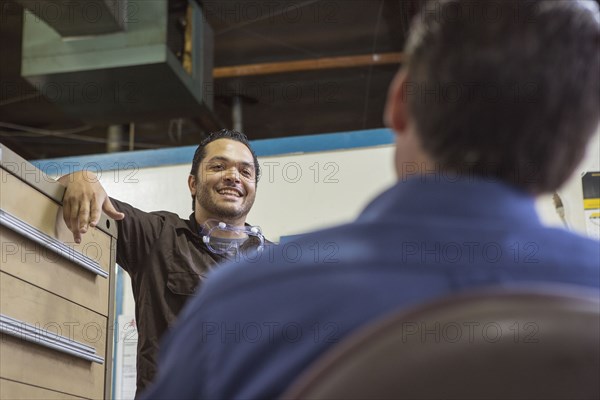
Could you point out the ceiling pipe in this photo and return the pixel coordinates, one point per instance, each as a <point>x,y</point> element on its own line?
<point>316,64</point>
<point>237,113</point>
<point>114,138</point>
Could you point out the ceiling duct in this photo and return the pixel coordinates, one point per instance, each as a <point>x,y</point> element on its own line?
<point>133,75</point>
<point>79,18</point>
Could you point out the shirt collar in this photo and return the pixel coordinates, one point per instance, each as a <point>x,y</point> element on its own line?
<point>465,197</point>
<point>192,225</point>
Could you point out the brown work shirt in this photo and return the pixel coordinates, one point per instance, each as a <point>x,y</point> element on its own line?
<point>166,259</point>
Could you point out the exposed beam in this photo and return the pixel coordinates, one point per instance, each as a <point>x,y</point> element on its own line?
<point>307,65</point>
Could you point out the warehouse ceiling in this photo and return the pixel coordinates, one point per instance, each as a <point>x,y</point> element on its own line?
<point>295,67</point>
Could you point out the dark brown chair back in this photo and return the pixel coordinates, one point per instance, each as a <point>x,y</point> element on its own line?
<point>491,344</point>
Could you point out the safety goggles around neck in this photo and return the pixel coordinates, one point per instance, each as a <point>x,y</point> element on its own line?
<point>222,238</point>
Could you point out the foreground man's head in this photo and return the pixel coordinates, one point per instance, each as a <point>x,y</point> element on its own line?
<point>504,89</point>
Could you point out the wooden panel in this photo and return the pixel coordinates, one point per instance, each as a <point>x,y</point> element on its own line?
<point>51,313</point>
<point>19,391</point>
<point>34,263</point>
<point>33,207</point>
<point>24,171</point>
<point>36,365</point>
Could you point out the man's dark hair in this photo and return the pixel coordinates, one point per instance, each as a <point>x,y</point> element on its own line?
<point>506,88</point>
<point>200,153</point>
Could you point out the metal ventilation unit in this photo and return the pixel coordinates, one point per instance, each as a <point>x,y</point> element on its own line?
<point>117,61</point>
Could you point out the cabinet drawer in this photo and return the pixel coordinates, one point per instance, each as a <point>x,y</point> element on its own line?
<point>36,365</point>
<point>36,209</point>
<point>51,316</point>
<point>19,391</point>
<point>32,262</point>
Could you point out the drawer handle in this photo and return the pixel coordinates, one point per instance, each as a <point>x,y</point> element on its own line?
<point>24,331</point>
<point>15,224</point>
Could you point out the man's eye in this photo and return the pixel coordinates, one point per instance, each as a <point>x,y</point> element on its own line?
<point>217,167</point>
<point>247,172</point>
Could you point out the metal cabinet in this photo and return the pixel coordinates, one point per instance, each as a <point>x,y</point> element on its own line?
<point>56,297</point>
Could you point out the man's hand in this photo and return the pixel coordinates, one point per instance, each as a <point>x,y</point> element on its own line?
<point>84,201</point>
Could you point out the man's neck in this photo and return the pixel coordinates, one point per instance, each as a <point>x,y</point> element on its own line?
<point>201,220</point>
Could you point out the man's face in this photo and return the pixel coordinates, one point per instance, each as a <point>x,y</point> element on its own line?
<point>225,186</point>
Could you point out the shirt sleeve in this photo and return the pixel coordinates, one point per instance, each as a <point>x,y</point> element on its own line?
<point>138,233</point>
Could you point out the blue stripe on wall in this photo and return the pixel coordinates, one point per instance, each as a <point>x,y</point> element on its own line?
<point>184,155</point>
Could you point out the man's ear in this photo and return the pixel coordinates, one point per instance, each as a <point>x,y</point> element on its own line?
<point>396,109</point>
<point>192,184</point>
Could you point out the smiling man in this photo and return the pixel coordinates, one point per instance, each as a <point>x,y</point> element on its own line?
<point>213,184</point>
<point>166,256</point>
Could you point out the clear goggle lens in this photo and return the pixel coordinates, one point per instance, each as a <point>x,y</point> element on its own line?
<point>222,238</point>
